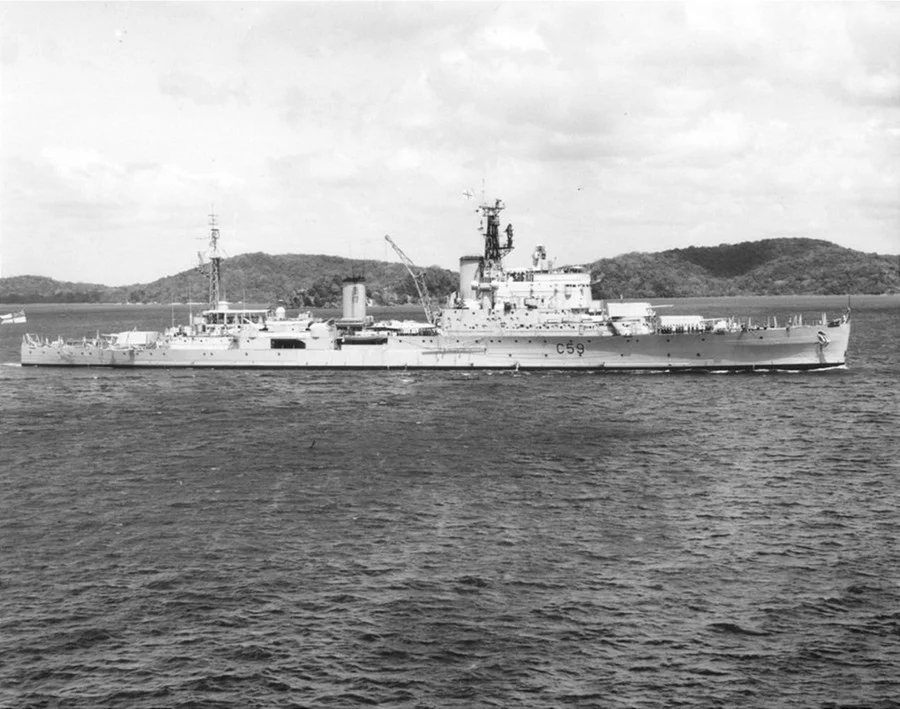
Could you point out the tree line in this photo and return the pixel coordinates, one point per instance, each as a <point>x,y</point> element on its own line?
<point>768,267</point>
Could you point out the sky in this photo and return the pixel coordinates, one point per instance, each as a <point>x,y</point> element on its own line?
<point>605,127</point>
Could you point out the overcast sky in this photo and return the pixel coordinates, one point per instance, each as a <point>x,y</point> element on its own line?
<point>320,127</point>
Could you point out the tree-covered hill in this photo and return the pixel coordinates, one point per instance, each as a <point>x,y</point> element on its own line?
<point>40,289</point>
<point>768,267</point>
<point>292,279</point>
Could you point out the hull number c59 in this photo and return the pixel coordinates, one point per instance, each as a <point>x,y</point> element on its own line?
<point>570,348</point>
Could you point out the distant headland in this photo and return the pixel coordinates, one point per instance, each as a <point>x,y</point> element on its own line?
<point>787,266</point>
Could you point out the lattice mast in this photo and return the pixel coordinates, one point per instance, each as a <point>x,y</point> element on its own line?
<point>494,250</point>
<point>212,271</point>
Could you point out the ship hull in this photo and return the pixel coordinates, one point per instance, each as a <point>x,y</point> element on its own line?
<point>776,348</point>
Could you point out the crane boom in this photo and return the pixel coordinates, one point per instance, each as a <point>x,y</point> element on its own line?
<point>417,277</point>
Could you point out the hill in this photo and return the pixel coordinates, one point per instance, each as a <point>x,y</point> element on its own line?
<point>768,267</point>
<point>292,279</point>
<point>40,289</point>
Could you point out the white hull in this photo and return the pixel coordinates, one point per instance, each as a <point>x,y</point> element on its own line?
<point>805,347</point>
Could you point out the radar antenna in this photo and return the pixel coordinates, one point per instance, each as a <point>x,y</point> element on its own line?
<point>418,279</point>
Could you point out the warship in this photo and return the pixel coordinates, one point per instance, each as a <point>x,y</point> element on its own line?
<point>537,317</point>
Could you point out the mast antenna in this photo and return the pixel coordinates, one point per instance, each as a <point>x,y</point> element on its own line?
<point>213,273</point>
<point>494,250</point>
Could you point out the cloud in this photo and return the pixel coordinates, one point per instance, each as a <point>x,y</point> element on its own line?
<point>880,88</point>
<point>677,122</point>
<point>99,179</point>
<point>514,38</point>
<point>203,92</point>
<point>717,136</point>
<point>304,173</point>
<point>327,29</point>
<point>9,46</point>
<point>68,203</point>
<point>406,159</point>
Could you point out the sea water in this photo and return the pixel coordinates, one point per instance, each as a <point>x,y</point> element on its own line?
<point>200,538</point>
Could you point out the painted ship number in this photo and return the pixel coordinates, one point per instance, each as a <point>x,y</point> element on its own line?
<point>570,348</point>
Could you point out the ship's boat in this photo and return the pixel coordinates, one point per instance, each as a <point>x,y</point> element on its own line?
<point>13,318</point>
<point>536,317</point>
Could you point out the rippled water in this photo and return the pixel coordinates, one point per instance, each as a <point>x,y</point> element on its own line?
<point>275,539</point>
